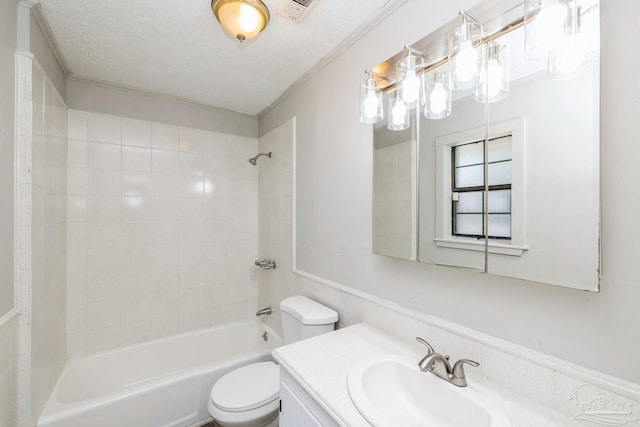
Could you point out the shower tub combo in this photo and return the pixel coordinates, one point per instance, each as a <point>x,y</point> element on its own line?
<point>165,382</point>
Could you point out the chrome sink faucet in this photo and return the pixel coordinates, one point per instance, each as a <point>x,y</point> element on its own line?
<point>439,365</point>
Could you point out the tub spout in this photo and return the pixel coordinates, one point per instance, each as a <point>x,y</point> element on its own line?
<point>263,311</point>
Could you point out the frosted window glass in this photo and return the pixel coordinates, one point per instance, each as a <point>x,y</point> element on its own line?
<point>468,224</point>
<point>470,176</point>
<point>499,201</point>
<point>500,173</point>
<point>500,149</point>
<point>499,225</point>
<point>469,154</point>
<point>469,202</point>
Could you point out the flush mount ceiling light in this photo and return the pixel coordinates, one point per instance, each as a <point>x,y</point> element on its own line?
<point>242,19</point>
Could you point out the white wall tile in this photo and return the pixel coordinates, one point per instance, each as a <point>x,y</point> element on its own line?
<point>77,129</point>
<point>136,133</point>
<point>136,183</point>
<point>165,137</point>
<point>104,208</point>
<point>164,161</point>
<point>104,156</point>
<point>101,128</point>
<point>136,159</point>
<point>147,234</point>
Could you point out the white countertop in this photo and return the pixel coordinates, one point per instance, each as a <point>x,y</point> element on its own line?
<point>321,365</point>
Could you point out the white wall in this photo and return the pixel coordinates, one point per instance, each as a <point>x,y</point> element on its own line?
<point>334,182</point>
<point>48,238</point>
<point>162,230</point>
<point>275,219</point>
<point>43,52</point>
<point>119,101</point>
<point>8,35</point>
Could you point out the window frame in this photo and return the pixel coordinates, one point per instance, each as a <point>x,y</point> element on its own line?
<point>444,236</point>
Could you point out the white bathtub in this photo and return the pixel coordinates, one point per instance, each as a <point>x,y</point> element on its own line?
<point>165,382</point>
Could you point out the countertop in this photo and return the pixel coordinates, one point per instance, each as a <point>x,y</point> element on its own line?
<point>321,365</point>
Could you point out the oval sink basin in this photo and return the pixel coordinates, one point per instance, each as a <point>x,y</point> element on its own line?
<point>391,391</point>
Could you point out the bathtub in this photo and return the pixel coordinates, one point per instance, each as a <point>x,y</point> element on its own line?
<point>165,382</point>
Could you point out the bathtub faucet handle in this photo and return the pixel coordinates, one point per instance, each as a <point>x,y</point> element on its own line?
<point>263,311</point>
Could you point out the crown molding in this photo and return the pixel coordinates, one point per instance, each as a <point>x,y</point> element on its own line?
<point>346,44</point>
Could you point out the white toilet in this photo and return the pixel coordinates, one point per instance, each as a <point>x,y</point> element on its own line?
<point>249,396</point>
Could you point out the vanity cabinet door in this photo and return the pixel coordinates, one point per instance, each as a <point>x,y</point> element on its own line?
<point>294,413</point>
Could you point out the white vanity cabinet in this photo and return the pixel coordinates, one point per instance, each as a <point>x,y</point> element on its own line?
<point>298,408</point>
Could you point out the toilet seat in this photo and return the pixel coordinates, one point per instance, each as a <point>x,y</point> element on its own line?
<point>247,388</point>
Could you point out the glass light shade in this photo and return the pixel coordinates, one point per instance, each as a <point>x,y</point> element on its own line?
<point>411,80</point>
<point>242,19</point>
<point>578,50</point>
<point>493,78</point>
<point>398,114</point>
<point>438,95</point>
<point>371,108</point>
<point>544,22</point>
<point>463,55</point>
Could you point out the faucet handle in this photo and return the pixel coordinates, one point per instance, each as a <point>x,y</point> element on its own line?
<point>458,368</point>
<point>424,342</point>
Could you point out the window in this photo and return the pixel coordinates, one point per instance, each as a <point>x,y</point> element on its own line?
<point>460,187</point>
<point>467,164</point>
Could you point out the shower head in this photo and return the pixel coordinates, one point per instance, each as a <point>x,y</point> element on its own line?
<point>254,160</point>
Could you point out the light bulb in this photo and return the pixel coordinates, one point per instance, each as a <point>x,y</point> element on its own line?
<point>410,87</point>
<point>570,54</point>
<point>438,99</point>
<point>493,80</point>
<point>398,113</point>
<point>371,104</point>
<point>248,19</point>
<point>549,24</point>
<point>466,62</point>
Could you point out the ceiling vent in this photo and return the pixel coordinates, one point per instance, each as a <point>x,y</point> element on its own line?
<point>296,10</point>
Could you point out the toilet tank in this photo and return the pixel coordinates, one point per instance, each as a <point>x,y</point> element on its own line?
<point>304,318</point>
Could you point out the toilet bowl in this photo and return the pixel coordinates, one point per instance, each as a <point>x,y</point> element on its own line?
<point>250,396</point>
<point>247,396</point>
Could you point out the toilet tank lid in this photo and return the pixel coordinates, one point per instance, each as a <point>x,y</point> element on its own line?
<point>307,311</point>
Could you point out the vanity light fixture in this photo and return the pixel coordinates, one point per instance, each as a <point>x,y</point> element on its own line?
<point>566,31</point>
<point>398,113</point>
<point>411,79</point>
<point>371,106</point>
<point>493,78</point>
<point>544,26</point>
<point>438,94</point>
<point>578,48</point>
<point>242,19</point>
<point>463,52</point>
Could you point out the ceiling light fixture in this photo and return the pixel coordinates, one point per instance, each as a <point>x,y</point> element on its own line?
<point>242,19</point>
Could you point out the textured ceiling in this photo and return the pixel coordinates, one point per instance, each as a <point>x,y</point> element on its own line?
<point>177,48</point>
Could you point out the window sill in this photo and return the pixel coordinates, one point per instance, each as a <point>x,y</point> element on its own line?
<point>478,245</point>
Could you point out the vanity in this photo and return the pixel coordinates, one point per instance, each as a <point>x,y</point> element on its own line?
<point>315,374</point>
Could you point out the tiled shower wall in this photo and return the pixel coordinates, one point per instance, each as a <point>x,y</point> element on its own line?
<point>162,230</point>
<point>48,238</point>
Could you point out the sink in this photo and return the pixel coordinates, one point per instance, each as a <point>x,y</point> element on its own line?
<point>390,391</point>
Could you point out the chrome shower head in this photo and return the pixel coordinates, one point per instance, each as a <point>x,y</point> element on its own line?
<point>254,160</point>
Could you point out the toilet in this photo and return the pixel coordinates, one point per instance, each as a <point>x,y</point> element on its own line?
<point>249,396</point>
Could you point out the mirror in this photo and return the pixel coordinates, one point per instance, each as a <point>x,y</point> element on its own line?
<point>542,167</point>
<point>395,191</point>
